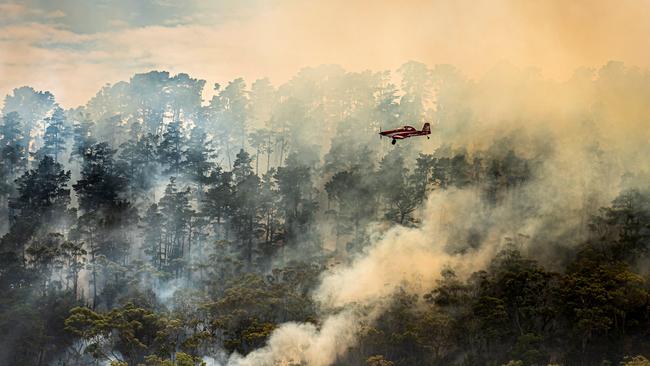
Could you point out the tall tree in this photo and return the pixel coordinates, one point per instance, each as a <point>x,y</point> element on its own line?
<point>398,190</point>
<point>217,202</point>
<point>263,98</point>
<point>417,88</point>
<point>245,204</point>
<point>32,106</point>
<point>177,232</point>
<point>41,203</point>
<point>102,183</point>
<point>56,132</point>
<point>140,161</point>
<point>152,243</point>
<point>228,110</point>
<point>387,108</point>
<point>269,212</point>
<point>171,147</point>
<point>197,162</point>
<point>355,202</point>
<point>82,136</point>
<point>13,150</point>
<point>297,199</point>
<point>105,214</point>
<point>234,100</point>
<point>73,256</point>
<point>260,140</point>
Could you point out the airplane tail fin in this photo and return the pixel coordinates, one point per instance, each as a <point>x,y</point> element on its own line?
<point>426,128</point>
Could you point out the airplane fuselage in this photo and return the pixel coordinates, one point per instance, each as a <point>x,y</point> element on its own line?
<point>405,132</point>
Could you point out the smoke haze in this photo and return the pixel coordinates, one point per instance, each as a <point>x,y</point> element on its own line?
<point>49,50</point>
<point>540,121</point>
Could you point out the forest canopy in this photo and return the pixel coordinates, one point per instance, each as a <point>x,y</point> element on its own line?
<point>269,224</point>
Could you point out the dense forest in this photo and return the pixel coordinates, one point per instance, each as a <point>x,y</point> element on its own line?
<point>169,223</point>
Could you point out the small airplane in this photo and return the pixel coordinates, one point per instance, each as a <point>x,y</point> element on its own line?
<point>405,132</point>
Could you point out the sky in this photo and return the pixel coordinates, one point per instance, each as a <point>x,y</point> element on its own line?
<point>74,47</point>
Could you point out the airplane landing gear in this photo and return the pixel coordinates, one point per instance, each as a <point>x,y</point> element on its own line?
<point>428,137</point>
<point>394,141</point>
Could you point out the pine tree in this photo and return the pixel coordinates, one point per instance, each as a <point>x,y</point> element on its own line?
<point>42,257</point>
<point>217,202</point>
<point>296,198</point>
<point>13,150</point>
<point>102,184</point>
<point>197,162</point>
<point>31,105</point>
<point>74,259</point>
<point>387,109</point>
<point>398,189</point>
<point>140,161</point>
<point>228,111</point>
<point>82,136</point>
<point>170,150</point>
<point>355,201</point>
<point>234,101</point>
<point>106,217</point>
<point>42,191</point>
<point>269,207</point>
<point>263,99</point>
<point>177,234</point>
<point>417,86</point>
<point>152,223</point>
<point>245,204</point>
<point>261,141</point>
<point>42,197</point>
<point>56,132</point>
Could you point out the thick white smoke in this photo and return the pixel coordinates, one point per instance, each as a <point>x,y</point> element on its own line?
<point>355,294</point>
<point>568,186</point>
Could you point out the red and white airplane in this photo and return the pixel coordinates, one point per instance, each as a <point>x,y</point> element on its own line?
<point>405,132</point>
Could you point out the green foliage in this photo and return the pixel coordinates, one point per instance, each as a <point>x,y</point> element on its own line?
<point>249,308</point>
<point>139,160</point>
<point>56,133</point>
<point>175,245</point>
<point>637,361</point>
<point>378,361</point>
<point>101,184</point>
<point>296,199</point>
<point>171,147</point>
<point>130,331</point>
<point>42,196</point>
<point>13,150</point>
<point>31,105</point>
<point>82,135</point>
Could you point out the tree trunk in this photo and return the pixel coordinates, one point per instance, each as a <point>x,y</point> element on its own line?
<point>94,281</point>
<point>189,251</point>
<point>257,161</point>
<point>268,155</point>
<point>75,279</point>
<point>228,154</point>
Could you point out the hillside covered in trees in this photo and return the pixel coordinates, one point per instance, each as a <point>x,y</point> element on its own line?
<point>269,225</point>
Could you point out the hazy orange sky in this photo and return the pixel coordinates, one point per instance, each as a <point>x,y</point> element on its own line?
<point>73,47</point>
